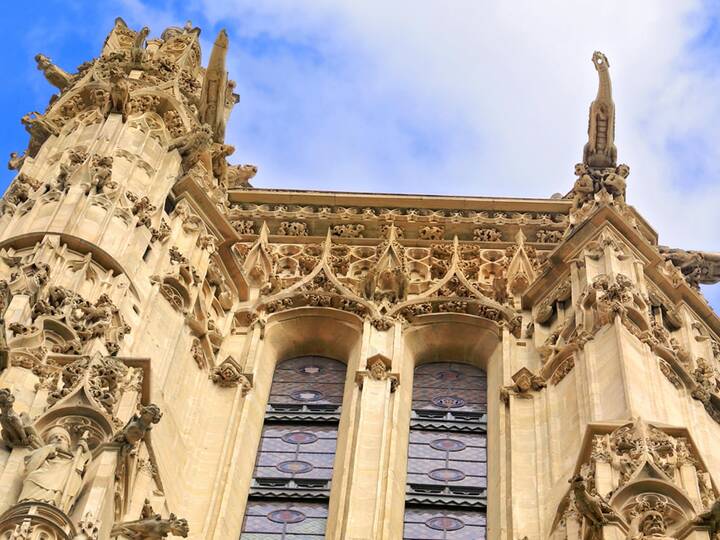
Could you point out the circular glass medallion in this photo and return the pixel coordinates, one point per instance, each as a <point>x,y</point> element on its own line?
<point>299,437</point>
<point>294,467</point>
<point>448,445</point>
<point>310,369</point>
<point>448,375</point>
<point>286,516</point>
<point>448,402</point>
<point>444,523</point>
<point>446,475</point>
<point>306,395</point>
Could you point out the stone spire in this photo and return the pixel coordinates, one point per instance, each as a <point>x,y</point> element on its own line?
<point>600,149</point>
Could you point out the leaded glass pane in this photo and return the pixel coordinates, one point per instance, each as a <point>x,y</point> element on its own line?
<point>308,379</point>
<point>291,451</point>
<point>436,457</point>
<point>449,386</point>
<point>282,520</point>
<point>433,524</point>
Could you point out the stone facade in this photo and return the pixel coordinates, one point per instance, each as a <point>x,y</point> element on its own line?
<point>169,333</point>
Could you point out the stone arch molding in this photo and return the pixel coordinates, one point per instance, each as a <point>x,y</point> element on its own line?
<point>637,479</point>
<point>288,277</point>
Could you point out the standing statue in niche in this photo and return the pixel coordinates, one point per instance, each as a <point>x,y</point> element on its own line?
<point>55,471</point>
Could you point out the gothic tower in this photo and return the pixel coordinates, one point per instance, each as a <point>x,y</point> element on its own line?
<point>275,364</point>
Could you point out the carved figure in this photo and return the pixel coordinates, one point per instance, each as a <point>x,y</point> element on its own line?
<point>17,429</point>
<point>591,506</point>
<point>652,526</point>
<point>583,188</point>
<point>56,76</point>
<point>711,518</point>
<point>16,161</point>
<point>55,472</point>
<point>152,528</point>
<point>137,52</point>
<point>139,425</point>
<point>615,184</point>
<point>119,92</point>
<point>600,149</point>
<point>239,176</point>
<point>697,266</point>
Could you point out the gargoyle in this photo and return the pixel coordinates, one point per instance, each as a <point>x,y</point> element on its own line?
<point>17,429</point>
<point>591,506</point>
<point>137,427</point>
<point>56,76</point>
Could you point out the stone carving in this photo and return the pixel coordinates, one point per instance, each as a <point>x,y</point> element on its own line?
<point>56,76</point>
<point>600,149</point>
<point>139,425</point>
<point>348,230</point>
<point>88,528</point>
<point>229,374</point>
<point>711,519</point>
<point>244,226</point>
<point>55,471</point>
<point>100,172</point>
<point>545,236</point>
<point>239,176</point>
<point>17,429</point>
<point>432,232</point>
<point>119,92</point>
<point>141,208</point>
<point>487,235</point>
<point>525,382</point>
<point>378,370</point>
<point>697,266</point>
<point>293,228</point>
<point>650,520</point>
<point>16,161</point>
<point>151,526</point>
<point>591,506</point>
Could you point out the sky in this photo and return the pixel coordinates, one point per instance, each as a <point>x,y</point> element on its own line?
<point>468,97</point>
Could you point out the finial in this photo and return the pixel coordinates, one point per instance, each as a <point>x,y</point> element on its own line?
<point>600,151</point>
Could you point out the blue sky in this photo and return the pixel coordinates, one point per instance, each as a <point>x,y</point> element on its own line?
<point>477,98</point>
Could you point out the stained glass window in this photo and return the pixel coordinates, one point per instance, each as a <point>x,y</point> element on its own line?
<point>447,454</point>
<point>293,470</point>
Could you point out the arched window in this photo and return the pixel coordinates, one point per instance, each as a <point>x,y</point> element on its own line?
<point>291,482</point>
<point>446,495</point>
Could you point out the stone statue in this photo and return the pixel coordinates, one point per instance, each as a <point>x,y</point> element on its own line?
<point>591,506</point>
<point>137,52</point>
<point>59,78</point>
<point>600,149</point>
<point>55,472</point>
<point>711,518</point>
<point>151,526</point>
<point>138,426</point>
<point>615,184</point>
<point>651,526</point>
<point>697,266</point>
<point>119,92</point>
<point>239,176</point>
<point>583,188</point>
<point>17,429</point>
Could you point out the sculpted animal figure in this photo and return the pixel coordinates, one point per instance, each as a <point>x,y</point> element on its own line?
<point>137,52</point>
<point>56,76</point>
<point>711,518</point>
<point>600,149</point>
<point>17,429</point>
<point>591,506</point>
